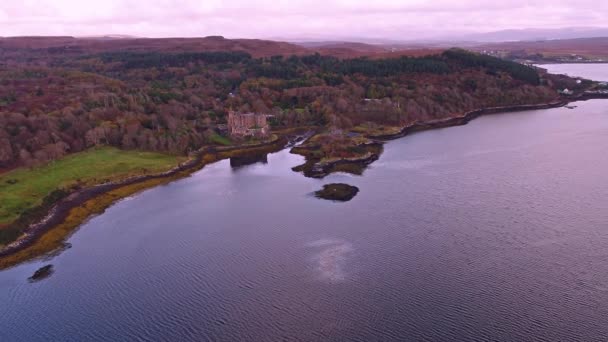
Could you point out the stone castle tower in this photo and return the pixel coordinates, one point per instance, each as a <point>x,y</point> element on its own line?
<point>248,124</point>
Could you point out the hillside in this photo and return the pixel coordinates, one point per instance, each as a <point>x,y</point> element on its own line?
<point>58,103</point>
<point>345,49</point>
<point>85,114</point>
<point>60,47</point>
<point>54,46</point>
<point>536,34</point>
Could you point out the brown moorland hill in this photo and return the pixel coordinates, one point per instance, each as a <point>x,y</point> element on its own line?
<point>256,47</point>
<point>62,45</point>
<point>581,46</point>
<point>410,52</point>
<point>346,50</point>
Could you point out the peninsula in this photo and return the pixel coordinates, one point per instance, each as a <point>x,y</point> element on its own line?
<point>86,122</point>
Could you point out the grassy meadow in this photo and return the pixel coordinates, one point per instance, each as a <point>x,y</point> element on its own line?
<point>23,188</point>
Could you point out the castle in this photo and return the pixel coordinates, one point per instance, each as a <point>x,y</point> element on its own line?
<point>248,124</point>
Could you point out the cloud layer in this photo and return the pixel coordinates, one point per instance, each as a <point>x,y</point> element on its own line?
<point>410,19</point>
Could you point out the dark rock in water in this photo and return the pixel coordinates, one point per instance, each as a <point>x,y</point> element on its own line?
<point>41,273</point>
<point>337,192</point>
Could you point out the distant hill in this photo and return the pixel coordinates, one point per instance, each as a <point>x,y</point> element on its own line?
<point>111,36</point>
<point>536,34</point>
<point>597,47</point>
<point>447,40</point>
<point>344,49</point>
<point>343,45</point>
<point>66,45</point>
<point>256,47</point>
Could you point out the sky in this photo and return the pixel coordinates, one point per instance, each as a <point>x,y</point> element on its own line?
<point>293,19</point>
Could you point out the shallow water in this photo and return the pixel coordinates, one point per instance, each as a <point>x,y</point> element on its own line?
<point>493,231</point>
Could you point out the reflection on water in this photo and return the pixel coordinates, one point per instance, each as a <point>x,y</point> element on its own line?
<point>237,162</point>
<point>493,231</point>
<point>330,258</point>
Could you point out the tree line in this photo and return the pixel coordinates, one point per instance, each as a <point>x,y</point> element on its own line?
<point>177,102</point>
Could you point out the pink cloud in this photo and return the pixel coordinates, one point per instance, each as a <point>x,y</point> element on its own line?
<point>291,19</point>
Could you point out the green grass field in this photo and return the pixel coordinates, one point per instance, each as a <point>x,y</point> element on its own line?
<point>22,189</point>
<point>220,140</point>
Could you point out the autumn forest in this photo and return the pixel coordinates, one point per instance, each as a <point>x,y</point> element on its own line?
<point>55,101</point>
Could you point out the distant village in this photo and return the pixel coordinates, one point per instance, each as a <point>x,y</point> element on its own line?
<point>525,57</point>
<point>533,60</point>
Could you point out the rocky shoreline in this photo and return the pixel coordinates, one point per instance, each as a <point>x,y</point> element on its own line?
<point>323,168</point>
<point>464,119</point>
<point>471,115</point>
<point>316,168</point>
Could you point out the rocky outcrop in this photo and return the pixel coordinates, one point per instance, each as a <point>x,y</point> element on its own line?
<point>323,168</point>
<point>41,273</point>
<point>337,192</point>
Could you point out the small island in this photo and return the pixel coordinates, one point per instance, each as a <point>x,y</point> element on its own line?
<point>337,192</point>
<point>41,273</point>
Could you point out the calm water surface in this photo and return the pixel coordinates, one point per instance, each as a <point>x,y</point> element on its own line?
<point>493,231</point>
<point>596,72</point>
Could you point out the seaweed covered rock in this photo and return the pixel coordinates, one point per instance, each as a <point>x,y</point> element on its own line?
<point>337,192</point>
<point>41,273</point>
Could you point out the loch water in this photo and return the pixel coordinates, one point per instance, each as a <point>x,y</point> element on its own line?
<point>492,231</point>
<point>596,72</point>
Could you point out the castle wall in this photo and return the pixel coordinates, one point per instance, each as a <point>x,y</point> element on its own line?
<point>248,124</point>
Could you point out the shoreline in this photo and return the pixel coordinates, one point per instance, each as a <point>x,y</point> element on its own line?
<point>70,212</point>
<point>316,169</point>
<point>569,62</point>
<point>320,169</point>
<point>474,114</point>
<point>47,234</point>
<point>466,118</point>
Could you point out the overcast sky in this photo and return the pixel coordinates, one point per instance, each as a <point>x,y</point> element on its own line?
<point>403,20</point>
